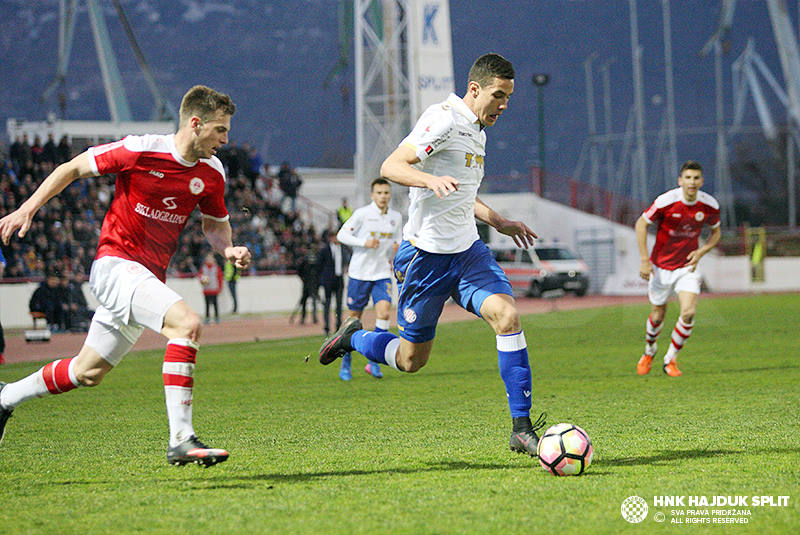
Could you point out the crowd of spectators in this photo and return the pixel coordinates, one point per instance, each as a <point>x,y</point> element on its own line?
<point>64,234</point>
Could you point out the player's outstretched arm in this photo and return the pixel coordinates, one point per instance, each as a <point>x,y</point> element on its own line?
<point>61,177</point>
<point>519,231</point>
<point>220,235</point>
<point>398,168</point>
<point>645,268</point>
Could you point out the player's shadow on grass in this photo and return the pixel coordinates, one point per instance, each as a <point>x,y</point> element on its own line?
<point>668,456</point>
<point>443,466</point>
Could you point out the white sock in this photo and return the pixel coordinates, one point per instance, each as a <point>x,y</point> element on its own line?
<point>382,325</point>
<point>20,391</point>
<point>390,354</point>
<point>35,384</point>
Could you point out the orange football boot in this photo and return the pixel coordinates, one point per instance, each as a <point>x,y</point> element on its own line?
<point>643,367</point>
<point>672,370</point>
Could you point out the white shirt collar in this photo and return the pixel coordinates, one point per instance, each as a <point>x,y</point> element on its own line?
<point>458,103</point>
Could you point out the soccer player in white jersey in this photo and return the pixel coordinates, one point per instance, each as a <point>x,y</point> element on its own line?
<point>373,232</point>
<point>160,181</point>
<point>441,255</point>
<point>679,215</point>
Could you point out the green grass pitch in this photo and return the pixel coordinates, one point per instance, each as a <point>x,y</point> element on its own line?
<point>426,453</point>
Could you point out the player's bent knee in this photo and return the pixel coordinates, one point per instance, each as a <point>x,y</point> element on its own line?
<point>190,326</point>
<point>91,377</point>
<point>508,322</point>
<point>411,367</point>
<point>411,364</point>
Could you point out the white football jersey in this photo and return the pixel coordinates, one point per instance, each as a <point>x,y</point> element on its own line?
<point>368,222</point>
<point>448,140</point>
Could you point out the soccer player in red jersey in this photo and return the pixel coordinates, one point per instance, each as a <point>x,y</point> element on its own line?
<point>160,181</point>
<point>679,215</point>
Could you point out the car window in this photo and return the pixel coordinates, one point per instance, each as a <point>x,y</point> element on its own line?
<point>554,253</point>
<point>526,257</point>
<point>504,255</point>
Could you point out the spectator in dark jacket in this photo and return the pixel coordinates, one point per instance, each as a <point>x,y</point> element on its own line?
<point>290,183</point>
<point>48,299</point>
<point>331,267</point>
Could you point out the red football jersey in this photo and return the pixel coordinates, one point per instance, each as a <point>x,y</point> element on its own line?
<point>679,224</point>
<point>156,190</point>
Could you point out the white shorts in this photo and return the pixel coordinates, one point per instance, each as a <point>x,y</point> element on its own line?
<point>664,282</point>
<point>131,298</point>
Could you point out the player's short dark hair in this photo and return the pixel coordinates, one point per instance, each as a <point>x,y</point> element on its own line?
<point>380,180</point>
<point>488,67</point>
<point>204,102</point>
<point>691,164</point>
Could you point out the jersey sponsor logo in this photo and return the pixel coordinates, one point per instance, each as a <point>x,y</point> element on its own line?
<point>410,315</point>
<point>380,235</point>
<point>686,232</point>
<point>474,160</point>
<point>159,174</point>
<point>160,215</point>
<point>699,216</point>
<point>465,134</point>
<point>169,203</point>
<point>428,150</point>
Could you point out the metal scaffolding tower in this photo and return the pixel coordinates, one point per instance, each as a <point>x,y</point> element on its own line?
<point>723,189</point>
<point>671,157</point>
<point>639,160</point>
<point>383,92</point>
<point>790,62</point>
<point>118,106</point>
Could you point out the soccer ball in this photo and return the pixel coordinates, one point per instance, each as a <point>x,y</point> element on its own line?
<point>565,450</point>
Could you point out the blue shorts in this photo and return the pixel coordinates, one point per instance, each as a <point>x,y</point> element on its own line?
<point>358,293</point>
<point>427,280</point>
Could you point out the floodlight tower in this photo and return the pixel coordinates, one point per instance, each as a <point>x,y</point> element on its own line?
<point>118,106</point>
<point>724,192</point>
<point>639,161</point>
<point>594,157</point>
<point>671,159</point>
<point>790,63</point>
<point>383,92</point>
<point>404,63</point>
<point>605,68</point>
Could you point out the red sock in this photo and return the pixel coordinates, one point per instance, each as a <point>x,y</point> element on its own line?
<point>57,376</point>
<point>181,373</point>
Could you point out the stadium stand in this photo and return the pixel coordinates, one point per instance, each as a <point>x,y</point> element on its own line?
<point>63,236</point>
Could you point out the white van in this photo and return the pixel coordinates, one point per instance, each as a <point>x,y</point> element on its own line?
<point>542,268</point>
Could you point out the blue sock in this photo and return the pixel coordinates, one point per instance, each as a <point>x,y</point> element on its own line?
<point>372,344</point>
<point>512,358</point>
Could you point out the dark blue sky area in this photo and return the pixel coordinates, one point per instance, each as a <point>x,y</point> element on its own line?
<point>273,58</point>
